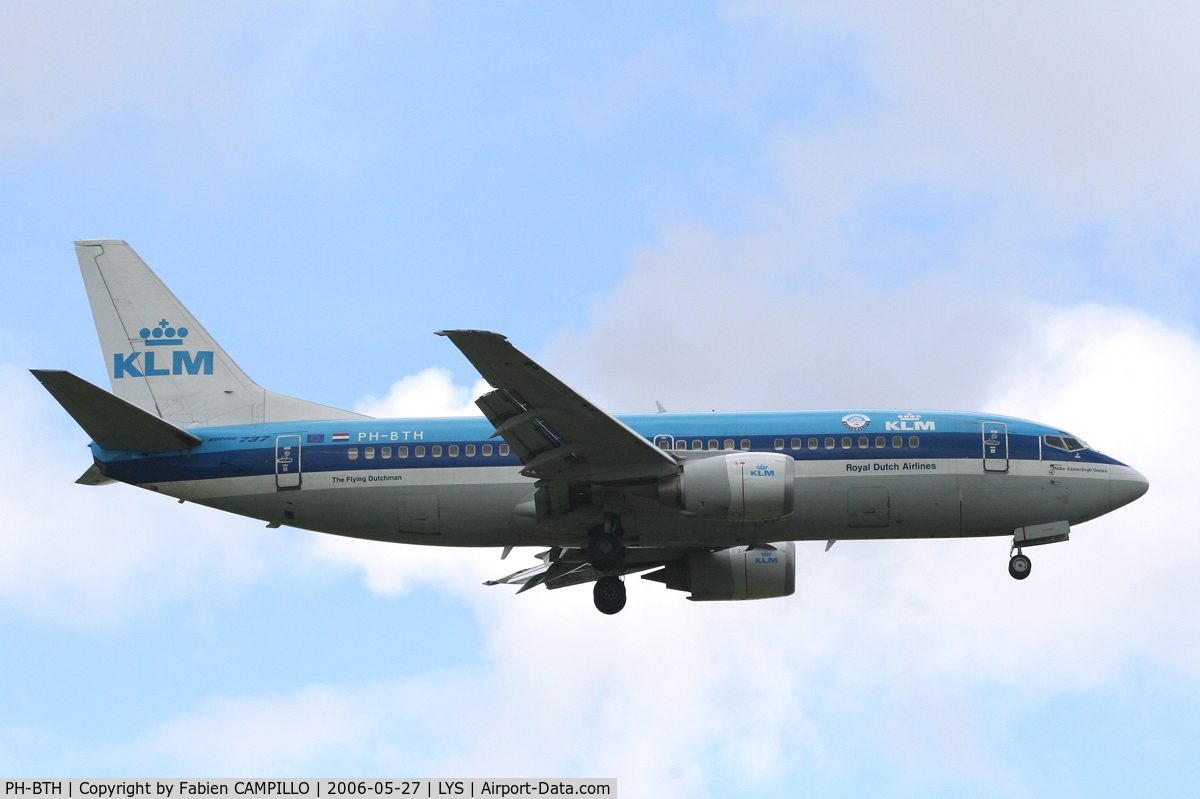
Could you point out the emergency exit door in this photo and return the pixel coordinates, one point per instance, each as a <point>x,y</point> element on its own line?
<point>287,463</point>
<point>995,447</point>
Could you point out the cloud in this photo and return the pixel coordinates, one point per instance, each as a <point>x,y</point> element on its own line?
<point>260,735</point>
<point>703,322</point>
<point>1091,102</point>
<point>67,70</point>
<point>393,569</point>
<point>429,393</point>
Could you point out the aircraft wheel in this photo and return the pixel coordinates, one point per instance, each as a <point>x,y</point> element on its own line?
<point>1019,566</point>
<point>605,552</point>
<point>609,595</point>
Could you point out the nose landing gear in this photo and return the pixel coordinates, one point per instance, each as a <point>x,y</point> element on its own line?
<point>1019,566</point>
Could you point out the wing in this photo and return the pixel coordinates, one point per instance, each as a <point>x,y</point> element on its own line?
<point>553,430</point>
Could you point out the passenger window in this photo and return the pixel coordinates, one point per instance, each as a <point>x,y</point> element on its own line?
<point>453,452</point>
<point>846,442</point>
<point>504,449</point>
<point>352,453</point>
<point>729,443</point>
<point>487,450</point>
<point>470,449</point>
<point>680,444</point>
<point>402,452</point>
<point>812,443</point>
<point>880,442</point>
<point>436,450</point>
<point>664,444</point>
<point>797,443</point>
<point>746,444</point>
<point>712,444</point>
<point>897,441</point>
<point>419,452</point>
<point>863,442</point>
<point>385,453</point>
<point>697,445</point>
<point>829,443</point>
<point>914,442</point>
<point>779,443</point>
<point>369,453</point>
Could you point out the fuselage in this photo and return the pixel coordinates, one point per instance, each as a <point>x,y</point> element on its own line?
<point>447,481</point>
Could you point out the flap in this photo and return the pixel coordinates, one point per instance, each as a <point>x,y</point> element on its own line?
<point>553,429</point>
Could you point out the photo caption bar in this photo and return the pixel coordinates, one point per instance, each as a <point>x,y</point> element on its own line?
<point>308,788</point>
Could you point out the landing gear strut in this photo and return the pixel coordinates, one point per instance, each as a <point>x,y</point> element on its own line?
<point>605,552</point>
<point>1019,566</point>
<point>609,595</point>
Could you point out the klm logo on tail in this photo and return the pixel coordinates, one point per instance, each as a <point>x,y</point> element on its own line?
<point>200,362</point>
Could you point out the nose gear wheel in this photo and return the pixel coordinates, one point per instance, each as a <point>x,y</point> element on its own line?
<point>1019,566</point>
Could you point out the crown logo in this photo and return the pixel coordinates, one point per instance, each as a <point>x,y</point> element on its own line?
<point>909,417</point>
<point>163,335</point>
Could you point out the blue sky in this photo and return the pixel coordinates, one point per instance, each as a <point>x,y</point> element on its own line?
<point>741,205</point>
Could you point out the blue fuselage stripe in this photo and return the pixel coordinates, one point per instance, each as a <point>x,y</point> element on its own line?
<point>258,457</point>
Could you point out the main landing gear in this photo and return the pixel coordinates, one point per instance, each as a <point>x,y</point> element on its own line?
<point>609,595</point>
<point>1019,566</point>
<point>604,551</point>
<point>606,554</point>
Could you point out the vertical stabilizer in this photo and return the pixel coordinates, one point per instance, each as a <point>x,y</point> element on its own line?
<point>163,360</point>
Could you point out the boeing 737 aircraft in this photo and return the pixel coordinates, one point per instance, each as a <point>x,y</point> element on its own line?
<point>694,497</point>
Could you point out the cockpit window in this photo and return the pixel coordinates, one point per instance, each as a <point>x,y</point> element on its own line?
<point>1065,443</point>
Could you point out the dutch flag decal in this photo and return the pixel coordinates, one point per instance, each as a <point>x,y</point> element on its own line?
<point>341,436</point>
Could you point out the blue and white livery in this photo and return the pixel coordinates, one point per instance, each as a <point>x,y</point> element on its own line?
<point>691,500</point>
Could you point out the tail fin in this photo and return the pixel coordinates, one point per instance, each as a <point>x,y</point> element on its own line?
<point>162,360</point>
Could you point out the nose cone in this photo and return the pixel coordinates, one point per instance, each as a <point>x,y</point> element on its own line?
<point>1126,485</point>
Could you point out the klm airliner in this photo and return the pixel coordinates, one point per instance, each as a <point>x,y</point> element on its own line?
<point>709,504</point>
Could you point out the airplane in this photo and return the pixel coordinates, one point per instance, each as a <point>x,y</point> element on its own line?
<point>710,504</point>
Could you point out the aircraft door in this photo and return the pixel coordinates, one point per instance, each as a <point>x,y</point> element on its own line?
<point>664,442</point>
<point>995,447</point>
<point>287,463</point>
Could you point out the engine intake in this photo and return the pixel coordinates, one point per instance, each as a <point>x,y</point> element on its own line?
<point>743,486</point>
<point>760,572</point>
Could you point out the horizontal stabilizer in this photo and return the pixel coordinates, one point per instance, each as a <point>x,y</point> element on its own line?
<point>94,477</point>
<point>113,423</point>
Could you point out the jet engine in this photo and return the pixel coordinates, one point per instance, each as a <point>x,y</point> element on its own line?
<point>743,486</point>
<point>759,572</point>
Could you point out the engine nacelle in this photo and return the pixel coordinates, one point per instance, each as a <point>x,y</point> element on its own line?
<point>742,486</point>
<point>760,572</point>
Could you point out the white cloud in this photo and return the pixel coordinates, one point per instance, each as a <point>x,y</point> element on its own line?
<point>1092,103</point>
<point>260,735</point>
<point>429,393</point>
<point>68,69</point>
<point>393,569</point>
<point>703,323</point>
